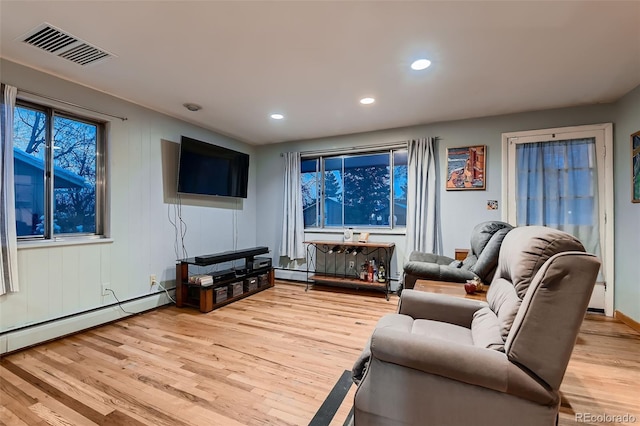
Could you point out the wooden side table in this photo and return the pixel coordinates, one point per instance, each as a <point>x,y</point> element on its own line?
<point>461,254</point>
<point>449,288</point>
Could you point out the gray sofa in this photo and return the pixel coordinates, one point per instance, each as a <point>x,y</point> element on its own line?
<point>443,360</point>
<point>482,260</point>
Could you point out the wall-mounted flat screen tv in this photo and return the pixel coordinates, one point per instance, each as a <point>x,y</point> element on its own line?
<point>208,169</point>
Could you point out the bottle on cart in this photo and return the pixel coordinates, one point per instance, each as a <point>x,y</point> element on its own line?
<point>364,270</point>
<point>375,270</point>
<point>382,273</point>
<point>370,273</point>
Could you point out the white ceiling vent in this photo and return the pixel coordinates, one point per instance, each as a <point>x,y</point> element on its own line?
<point>57,42</point>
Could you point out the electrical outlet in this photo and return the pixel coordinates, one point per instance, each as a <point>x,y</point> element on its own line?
<point>103,289</point>
<point>152,280</point>
<point>351,264</point>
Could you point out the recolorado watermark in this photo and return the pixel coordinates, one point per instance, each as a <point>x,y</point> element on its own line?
<point>605,418</point>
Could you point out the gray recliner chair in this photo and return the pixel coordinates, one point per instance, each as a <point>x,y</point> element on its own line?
<point>443,360</point>
<point>481,262</point>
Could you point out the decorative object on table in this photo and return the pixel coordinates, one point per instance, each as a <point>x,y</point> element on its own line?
<point>635,167</point>
<point>470,287</point>
<point>348,235</point>
<point>492,204</point>
<point>363,237</point>
<point>466,168</point>
<point>477,283</point>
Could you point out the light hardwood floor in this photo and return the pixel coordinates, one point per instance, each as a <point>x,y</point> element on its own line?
<point>270,359</point>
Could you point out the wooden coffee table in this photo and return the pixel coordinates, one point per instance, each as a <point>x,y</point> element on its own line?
<point>448,288</point>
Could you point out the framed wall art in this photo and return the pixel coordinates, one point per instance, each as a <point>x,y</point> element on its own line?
<point>635,167</point>
<point>466,168</point>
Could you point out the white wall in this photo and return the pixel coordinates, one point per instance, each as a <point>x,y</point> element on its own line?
<point>461,210</point>
<point>59,280</point>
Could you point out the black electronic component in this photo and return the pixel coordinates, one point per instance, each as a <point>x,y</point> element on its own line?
<point>230,255</point>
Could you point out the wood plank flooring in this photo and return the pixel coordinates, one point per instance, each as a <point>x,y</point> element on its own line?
<point>270,359</point>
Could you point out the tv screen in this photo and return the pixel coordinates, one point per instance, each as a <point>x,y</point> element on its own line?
<point>208,169</point>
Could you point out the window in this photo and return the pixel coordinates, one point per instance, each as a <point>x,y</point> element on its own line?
<point>58,172</point>
<point>363,190</point>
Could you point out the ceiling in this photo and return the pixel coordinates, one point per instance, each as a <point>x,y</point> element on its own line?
<point>313,60</point>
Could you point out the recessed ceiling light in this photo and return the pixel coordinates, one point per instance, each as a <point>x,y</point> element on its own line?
<point>192,107</point>
<point>420,64</point>
<point>367,101</point>
<point>277,116</point>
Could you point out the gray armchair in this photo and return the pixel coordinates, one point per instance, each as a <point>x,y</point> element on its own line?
<point>443,360</point>
<point>482,260</point>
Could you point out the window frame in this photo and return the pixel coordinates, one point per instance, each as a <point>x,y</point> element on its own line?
<point>51,112</point>
<point>320,157</point>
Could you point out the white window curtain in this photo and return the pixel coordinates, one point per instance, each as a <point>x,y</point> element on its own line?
<point>292,219</point>
<point>422,221</point>
<point>8,237</point>
<point>557,186</point>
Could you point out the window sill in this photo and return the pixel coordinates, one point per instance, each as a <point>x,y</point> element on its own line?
<point>372,231</point>
<point>58,242</point>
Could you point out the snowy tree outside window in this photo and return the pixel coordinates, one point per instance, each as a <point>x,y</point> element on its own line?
<point>366,190</point>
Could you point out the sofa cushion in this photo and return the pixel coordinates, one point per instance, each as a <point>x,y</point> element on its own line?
<point>526,249</point>
<point>443,331</point>
<point>433,271</point>
<point>487,262</point>
<point>469,261</point>
<point>483,232</point>
<point>456,264</point>
<point>504,302</point>
<point>485,330</point>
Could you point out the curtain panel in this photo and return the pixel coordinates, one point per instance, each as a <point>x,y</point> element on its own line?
<point>292,245</point>
<point>8,236</point>
<point>422,220</point>
<point>557,186</point>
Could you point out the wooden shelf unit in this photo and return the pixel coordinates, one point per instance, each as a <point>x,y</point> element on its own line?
<point>341,276</point>
<point>347,281</point>
<point>202,297</point>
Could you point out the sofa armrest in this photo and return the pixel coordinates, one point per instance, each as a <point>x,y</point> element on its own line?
<point>467,364</point>
<point>418,256</point>
<point>439,307</point>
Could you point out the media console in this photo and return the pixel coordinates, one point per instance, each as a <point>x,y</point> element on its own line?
<point>225,286</point>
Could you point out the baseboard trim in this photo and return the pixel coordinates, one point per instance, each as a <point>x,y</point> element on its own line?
<point>12,341</point>
<point>627,320</point>
<point>290,274</point>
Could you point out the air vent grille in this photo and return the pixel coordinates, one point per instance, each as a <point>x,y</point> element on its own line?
<point>50,39</point>
<point>84,54</point>
<point>64,45</point>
